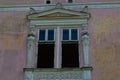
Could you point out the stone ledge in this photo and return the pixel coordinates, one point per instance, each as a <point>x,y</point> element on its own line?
<point>87,68</point>
<point>58,70</point>
<point>51,69</point>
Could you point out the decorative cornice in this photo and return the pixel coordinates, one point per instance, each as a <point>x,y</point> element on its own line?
<point>58,22</point>
<point>66,5</point>
<point>59,13</point>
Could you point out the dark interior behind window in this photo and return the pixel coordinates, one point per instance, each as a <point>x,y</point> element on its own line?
<point>70,56</point>
<point>45,55</point>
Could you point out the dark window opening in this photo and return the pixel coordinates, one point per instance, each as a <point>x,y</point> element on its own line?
<point>48,2</point>
<point>70,1</point>
<point>70,55</point>
<point>45,55</point>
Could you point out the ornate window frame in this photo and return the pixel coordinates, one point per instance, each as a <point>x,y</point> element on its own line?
<point>60,17</point>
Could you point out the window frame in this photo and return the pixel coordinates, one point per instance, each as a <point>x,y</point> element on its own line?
<point>49,41</point>
<point>70,33</point>
<point>46,35</point>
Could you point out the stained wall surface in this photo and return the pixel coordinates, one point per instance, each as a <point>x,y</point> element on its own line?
<point>105,43</point>
<point>13,31</point>
<point>104,29</point>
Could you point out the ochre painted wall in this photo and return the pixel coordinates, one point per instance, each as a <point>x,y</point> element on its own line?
<point>104,28</point>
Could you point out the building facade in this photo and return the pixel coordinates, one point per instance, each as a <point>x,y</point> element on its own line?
<point>59,40</point>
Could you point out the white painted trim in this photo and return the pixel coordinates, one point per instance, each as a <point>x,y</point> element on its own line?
<point>66,5</point>
<point>58,54</point>
<point>79,46</point>
<point>28,75</point>
<point>87,75</point>
<point>73,13</point>
<point>58,22</point>
<point>30,45</point>
<point>46,34</point>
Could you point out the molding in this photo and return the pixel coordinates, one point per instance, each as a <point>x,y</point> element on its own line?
<point>87,68</point>
<point>28,75</point>
<point>66,6</point>
<point>58,22</point>
<point>58,13</point>
<point>51,69</point>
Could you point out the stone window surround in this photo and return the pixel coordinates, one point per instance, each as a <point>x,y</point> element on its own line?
<point>31,42</point>
<point>81,20</point>
<point>85,41</point>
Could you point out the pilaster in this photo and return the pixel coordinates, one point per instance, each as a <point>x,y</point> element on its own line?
<point>85,43</point>
<point>57,59</point>
<point>28,75</point>
<point>30,46</point>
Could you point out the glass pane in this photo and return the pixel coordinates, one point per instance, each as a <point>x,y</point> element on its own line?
<point>42,35</point>
<point>65,34</point>
<point>50,34</point>
<point>74,34</point>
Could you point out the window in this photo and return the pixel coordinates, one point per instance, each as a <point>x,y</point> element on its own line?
<point>48,1</point>
<point>70,52</point>
<point>46,49</point>
<point>70,1</point>
<point>69,41</point>
<point>69,34</point>
<point>46,35</point>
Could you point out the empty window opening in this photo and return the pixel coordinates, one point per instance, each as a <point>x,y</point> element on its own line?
<point>45,55</point>
<point>70,55</point>
<point>48,2</point>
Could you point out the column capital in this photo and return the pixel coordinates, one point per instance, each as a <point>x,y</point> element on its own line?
<point>84,25</point>
<point>31,26</point>
<point>84,28</point>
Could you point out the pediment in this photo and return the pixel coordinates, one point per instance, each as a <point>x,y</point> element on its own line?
<point>59,13</point>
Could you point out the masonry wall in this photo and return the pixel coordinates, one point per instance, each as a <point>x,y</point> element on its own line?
<point>104,29</point>
<point>13,31</point>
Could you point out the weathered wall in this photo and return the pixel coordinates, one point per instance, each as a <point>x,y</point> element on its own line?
<point>104,27</point>
<point>21,2</point>
<point>13,31</point>
<point>104,32</point>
